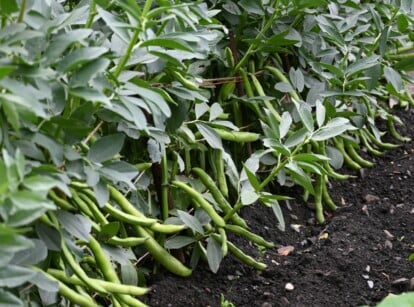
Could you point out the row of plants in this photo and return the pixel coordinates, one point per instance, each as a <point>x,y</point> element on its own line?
<point>133,133</point>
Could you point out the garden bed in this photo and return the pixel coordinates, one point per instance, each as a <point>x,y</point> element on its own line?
<point>357,257</point>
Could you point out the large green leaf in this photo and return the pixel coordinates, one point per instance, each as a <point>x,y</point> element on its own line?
<point>106,148</point>
<point>214,254</point>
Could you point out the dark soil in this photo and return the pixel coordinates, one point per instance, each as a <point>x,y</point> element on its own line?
<point>357,258</point>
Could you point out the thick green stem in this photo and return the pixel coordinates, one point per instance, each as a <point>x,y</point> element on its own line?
<point>127,55</point>
<point>164,188</point>
<point>253,46</point>
<point>92,13</point>
<point>22,9</point>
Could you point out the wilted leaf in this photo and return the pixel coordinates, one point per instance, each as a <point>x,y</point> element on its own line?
<point>285,250</point>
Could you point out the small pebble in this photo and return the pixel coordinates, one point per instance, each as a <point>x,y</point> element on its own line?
<point>370,284</point>
<point>365,276</point>
<point>388,244</point>
<point>289,287</point>
<point>368,268</point>
<point>389,235</point>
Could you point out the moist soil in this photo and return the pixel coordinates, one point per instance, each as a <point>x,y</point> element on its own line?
<point>357,258</point>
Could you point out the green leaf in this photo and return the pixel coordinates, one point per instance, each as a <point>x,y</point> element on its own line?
<point>33,255</point>
<point>12,244</point>
<point>80,56</point>
<point>214,254</point>
<point>336,159</point>
<point>62,42</point>
<point>101,192</point>
<point>129,274</point>
<point>210,136</point>
<point>299,176</point>
<point>252,7</point>
<point>361,65</point>
<point>178,242</point>
<point>6,70</point>
<point>297,79</point>
<point>39,183</point>
<point>285,124</point>
<point>248,197</point>
<point>279,216</point>
<point>109,230</point>
<point>90,94</point>
<point>12,276</point>
<point>9,300</point>
<point>75,224</point>
<point>166,43</point>
<point>402,300</point>
<point>87,72</point>
<point>28,206</point>
<point>50,236</point>
<point>394,78</point>
<point>284,87</point>
<point>12,114</point>
<point>305,115</point>
<point>297,137</point>
<point>252,179</point>
<point>8,6</point>
<point>215,111</point>
<point>320,113</point>
<point>402,23</point>
<point>190,221</point>
<point>309,157</point>
<point>334,127</point>
<point>106,148</point>
<point>45,283</point>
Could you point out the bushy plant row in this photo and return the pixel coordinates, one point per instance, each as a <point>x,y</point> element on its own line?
<point>133,133</point>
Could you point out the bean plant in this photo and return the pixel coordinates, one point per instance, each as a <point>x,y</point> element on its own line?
<point>133,133</point>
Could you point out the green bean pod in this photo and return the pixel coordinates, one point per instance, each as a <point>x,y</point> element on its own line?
<point>77,269</point>
<point>161,255</point>
<point>237,136</point>
<point>377,142</point>
<point>347,159</point>
<point>369,147</point>
<point>318,200</point>
<point>81,204</point>
<point>393,131</point>
<point>239,254</point>
<point>204,204</point>
<point>128,218</point>
<point>249,235</point>
<point>109,286</point>
<point>223,236</point>
<point>355,156</point>
<point>325,195</point>
<point>127,242</point>
<point>320,149</point>
<point>108,271</point>
<point>218,196</point>
<point>185,82</point>
<point>60,202</point>
<point>229,57</point>
<point>221,175</point>
<point>73,296</point>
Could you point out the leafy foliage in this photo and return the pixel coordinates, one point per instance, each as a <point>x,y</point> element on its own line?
<point>130,128</point>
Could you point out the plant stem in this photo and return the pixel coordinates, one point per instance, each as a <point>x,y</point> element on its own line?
<point>92,13</point>
<point>164,187</point>
<point>127,55</point>
<point>22,9</point>
<point>251,48</point>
